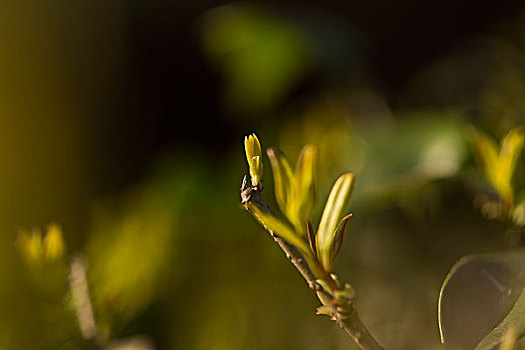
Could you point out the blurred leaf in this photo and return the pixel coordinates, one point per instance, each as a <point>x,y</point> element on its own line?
<point>260,54</point>
<point>499,163</point>
<point>54,246</point>
<point>335,207</point>
<point>518,214</point>
<point>37,248</point>
<point>29,243</point>
<point>481,297</point>
<point>127,257</point>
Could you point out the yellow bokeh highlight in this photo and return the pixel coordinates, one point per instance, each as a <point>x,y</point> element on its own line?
<point>36,248</point>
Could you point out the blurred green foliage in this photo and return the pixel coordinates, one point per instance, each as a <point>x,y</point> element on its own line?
<point>128,256</point>
<point>260,55</point>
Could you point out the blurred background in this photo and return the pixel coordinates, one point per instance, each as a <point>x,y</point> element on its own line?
<point>123,122</point>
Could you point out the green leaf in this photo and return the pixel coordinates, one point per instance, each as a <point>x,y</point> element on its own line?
<point>302,201</point>
<point>511,146</point>
<point>281,229</point>
<point>336,206</point>
<point>481,297</point>
<point>339,235</point>
<point>282,177</point>
<point>311,237</point>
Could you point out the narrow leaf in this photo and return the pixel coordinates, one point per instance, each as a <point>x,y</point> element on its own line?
<point>499,163</point>
<point>280,228</point>
<point>303,194</point>
<point>336,205</point>
<point>339,234</point>
<point>282,177</point>
<point>311,237</point>
<point>511,146</point>
<point>486,150</point>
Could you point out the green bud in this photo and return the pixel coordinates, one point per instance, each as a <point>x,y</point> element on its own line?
<point>252,148</point>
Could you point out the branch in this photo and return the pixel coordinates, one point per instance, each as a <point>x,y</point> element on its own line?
<point>347,319</point>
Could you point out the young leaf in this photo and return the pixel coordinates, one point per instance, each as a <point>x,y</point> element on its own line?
<point>302,201</point>
<point>339,234</point>
<point>282,177</point>
<point>335,207</point>
<point>511,146</point>
<point>280,228</point>
<point>499,163</point>
<point>311,237</point>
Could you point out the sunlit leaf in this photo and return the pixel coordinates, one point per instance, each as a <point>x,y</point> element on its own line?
<point>282,177</point>
<point>499,163</point>
<point>302,203</point>
<point>280,228</point>
<point>481,294</point>
<point>511,146</point>
<point>487,150</point>
<point>336,206</point>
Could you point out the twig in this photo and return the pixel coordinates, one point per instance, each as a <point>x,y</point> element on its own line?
<point>82,302</point>
<point>347,319</point>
